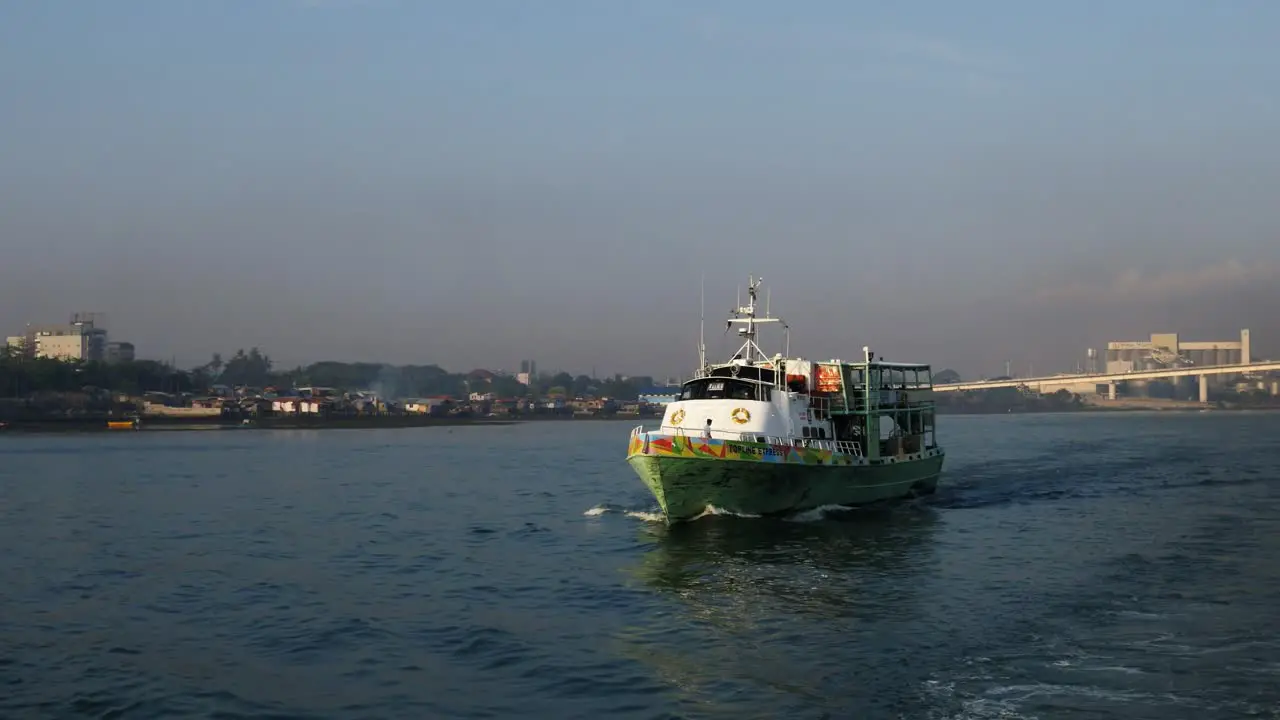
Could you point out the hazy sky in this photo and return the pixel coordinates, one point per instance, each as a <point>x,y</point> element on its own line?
<point>474,182</point>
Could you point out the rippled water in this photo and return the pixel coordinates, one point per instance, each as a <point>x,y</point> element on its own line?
<point>1084,566</point>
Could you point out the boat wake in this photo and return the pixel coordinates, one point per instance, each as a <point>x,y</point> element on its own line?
<point>654,515</point>
<point>820,513</point>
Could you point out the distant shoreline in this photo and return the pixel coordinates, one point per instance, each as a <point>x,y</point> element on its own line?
<point>63,425</point>
<point>1127,408</point>
<point>172,424</point>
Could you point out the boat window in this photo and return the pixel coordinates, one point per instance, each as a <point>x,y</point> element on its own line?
<point>724,389</point>
<point>806,431</point>
<point>746,372</point>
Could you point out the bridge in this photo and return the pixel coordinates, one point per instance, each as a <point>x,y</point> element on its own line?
<point>1054,382</point>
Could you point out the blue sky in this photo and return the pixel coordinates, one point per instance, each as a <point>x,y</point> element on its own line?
<point>473,182</point>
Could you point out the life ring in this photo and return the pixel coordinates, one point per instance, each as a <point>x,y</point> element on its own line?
<point>677,417</point>
<point>740,415</point>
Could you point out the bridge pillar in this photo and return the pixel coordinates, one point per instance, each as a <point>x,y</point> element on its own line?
<point>1111,391</point>
<point>1204,388</point>
<point>1275,388</point>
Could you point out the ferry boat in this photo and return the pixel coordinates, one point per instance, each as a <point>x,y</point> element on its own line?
<point>771,435</point>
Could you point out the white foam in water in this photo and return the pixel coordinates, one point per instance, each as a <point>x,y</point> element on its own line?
<point>713,510</point>
<point>655,515</point>
<point>819,513</point>
<point>647,516</point>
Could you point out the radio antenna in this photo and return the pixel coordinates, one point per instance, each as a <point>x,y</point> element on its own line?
<point>702,323</point>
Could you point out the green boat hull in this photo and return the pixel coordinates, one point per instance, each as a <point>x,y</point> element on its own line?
<point>685,486</point>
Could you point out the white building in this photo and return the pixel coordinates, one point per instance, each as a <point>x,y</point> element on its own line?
<point>62,347</point>
<point>71,341</point>
<point>293,405</point>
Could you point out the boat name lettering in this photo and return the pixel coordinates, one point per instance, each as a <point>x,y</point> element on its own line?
<point>752,449</point>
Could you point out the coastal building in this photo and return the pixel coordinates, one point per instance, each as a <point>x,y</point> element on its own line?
<point>120,352</point>
<point>428,405</point>
<point>316,392</point>
<point>528,372</point>
<point>660,395</point>
<point>79,339</point>
<point>1169,350</point>
<point>299,405</point>
<point>70,341</point>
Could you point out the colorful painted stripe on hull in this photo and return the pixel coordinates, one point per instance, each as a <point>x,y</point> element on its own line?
<point>719,449</point>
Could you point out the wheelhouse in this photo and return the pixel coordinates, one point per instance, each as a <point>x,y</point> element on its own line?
<point>722,387</point>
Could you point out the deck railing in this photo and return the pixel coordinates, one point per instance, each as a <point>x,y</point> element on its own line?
<point>849,447</point>
<point>846,447</point>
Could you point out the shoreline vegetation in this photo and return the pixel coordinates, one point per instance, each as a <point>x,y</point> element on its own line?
<point>83,424</point>
<point>61,425</point>
<point>247,392</point>
<point>102,423</point>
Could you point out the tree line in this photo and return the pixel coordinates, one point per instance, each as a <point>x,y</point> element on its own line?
<point>21,376</point>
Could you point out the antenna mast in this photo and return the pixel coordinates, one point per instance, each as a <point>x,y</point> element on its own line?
<point>745,316</point>
<point>702,324</point>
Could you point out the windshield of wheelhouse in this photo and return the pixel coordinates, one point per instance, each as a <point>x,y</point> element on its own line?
<point>724,389</point>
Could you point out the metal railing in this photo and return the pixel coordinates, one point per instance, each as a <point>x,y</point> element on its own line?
<point>846,447</point>
<point>849,447</point>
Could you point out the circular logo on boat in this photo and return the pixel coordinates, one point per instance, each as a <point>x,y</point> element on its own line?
<point>677,417</point>
<point>740,415</point>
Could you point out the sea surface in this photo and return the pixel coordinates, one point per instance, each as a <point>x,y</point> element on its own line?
<point>1071,566</point>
